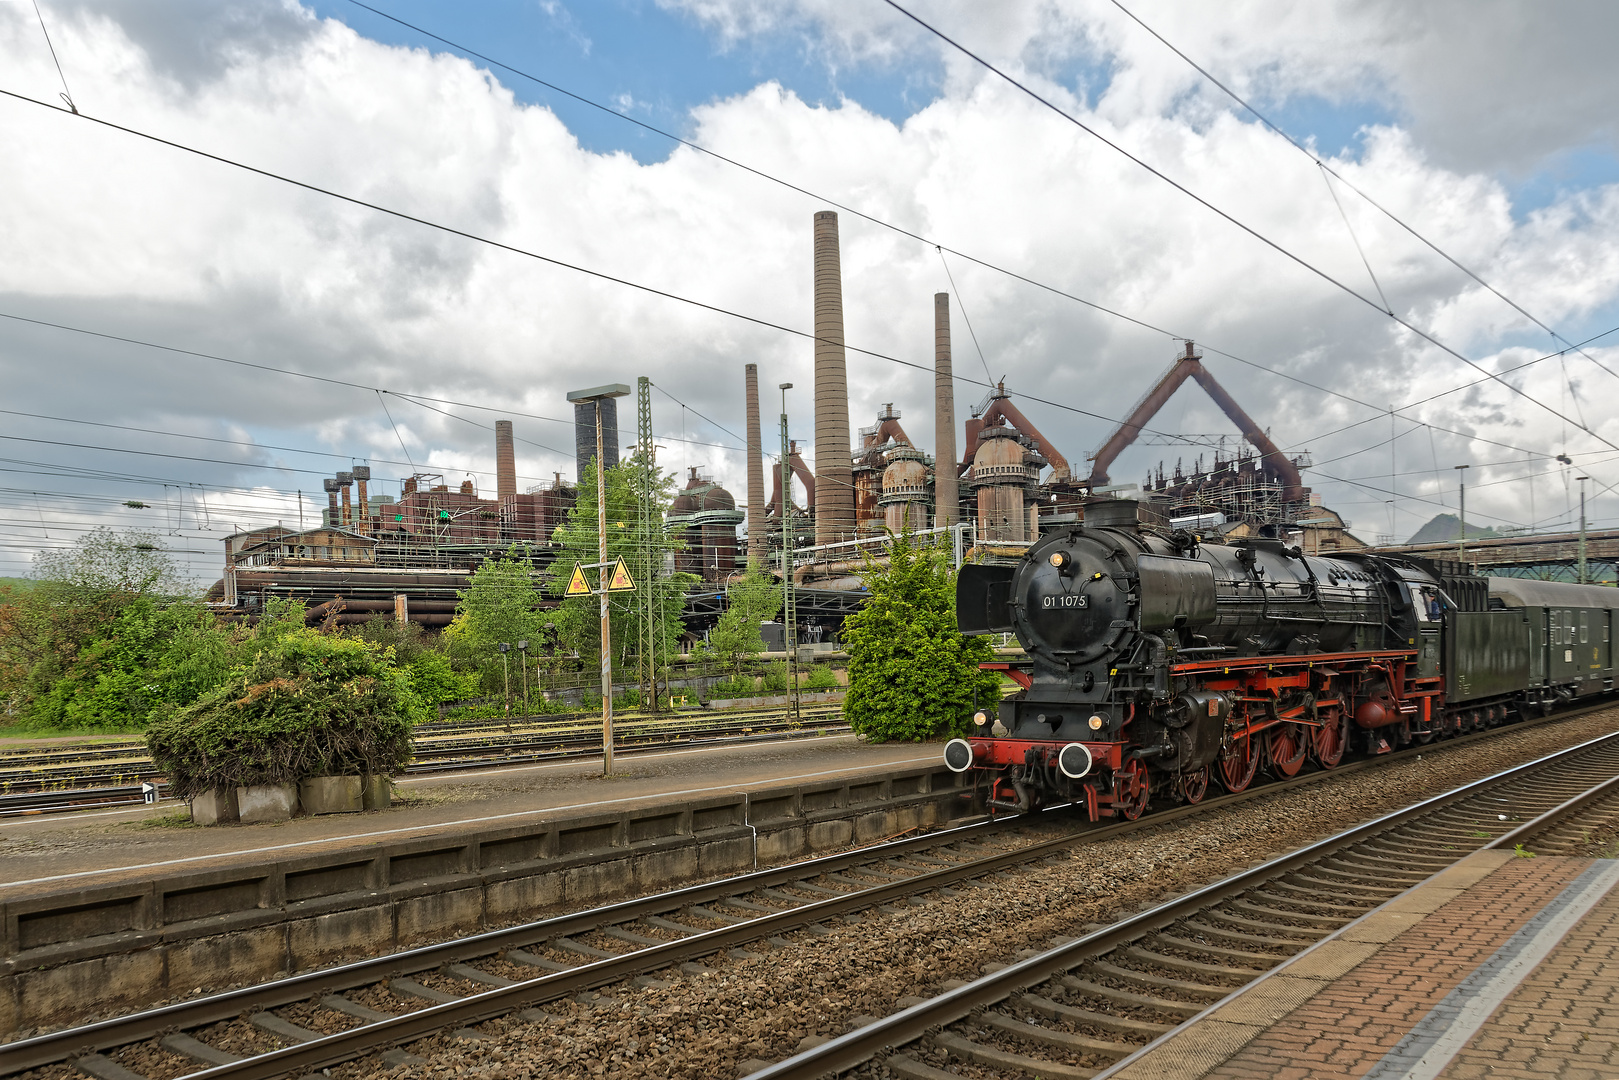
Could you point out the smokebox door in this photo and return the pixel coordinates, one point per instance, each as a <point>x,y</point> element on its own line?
<point>983,599</point>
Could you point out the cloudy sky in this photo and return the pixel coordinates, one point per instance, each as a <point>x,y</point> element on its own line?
<point>1485,129</point>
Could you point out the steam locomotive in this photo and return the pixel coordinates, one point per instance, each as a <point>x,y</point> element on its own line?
<point>1158,665</point>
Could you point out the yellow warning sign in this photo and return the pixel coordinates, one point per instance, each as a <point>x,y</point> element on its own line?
<point>577,585</point>
<point>621,581</point>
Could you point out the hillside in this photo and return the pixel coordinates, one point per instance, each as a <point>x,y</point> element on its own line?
<point>1446,527</point>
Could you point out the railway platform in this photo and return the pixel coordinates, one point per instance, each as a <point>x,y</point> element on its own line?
<point>1503,965</point>
<point>90,848</point>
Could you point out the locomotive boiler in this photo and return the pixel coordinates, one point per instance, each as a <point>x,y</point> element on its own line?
<point>1159,664</point>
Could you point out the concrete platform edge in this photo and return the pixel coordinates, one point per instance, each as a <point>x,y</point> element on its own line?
<point>98,946</point>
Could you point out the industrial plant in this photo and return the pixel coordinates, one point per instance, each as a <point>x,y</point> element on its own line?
<point>988,497</point>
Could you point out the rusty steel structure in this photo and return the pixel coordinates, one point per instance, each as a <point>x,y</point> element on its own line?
<point>795,461</point>
<point>1189,365</point>
<point>1540,556</point>
<point>709,518</point>
<point>834,511</point>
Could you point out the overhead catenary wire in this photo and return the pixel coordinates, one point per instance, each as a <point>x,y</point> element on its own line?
<point>750,169</point>
<point>1301,148</point>
<point>1453,390</point>
<point>401,394</point>
<point>1054,404</point>
<point>1326,178</point>
<point>515,250</point>
<point>844,207</point>
<point>1244,227</point>
<point>962,306</point>
<point>67,95</point>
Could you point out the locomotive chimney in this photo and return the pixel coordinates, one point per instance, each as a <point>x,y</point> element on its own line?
<point>756,471</point>
<point>946,500</point>
<point>834,512</point>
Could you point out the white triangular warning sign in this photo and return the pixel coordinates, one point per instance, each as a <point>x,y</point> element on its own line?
<point>621,581</point>
<point>577,585</point>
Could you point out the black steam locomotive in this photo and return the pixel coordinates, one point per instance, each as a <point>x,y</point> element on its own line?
<point>1157,664</point>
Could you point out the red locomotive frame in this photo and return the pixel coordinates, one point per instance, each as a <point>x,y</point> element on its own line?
<point>1283,711</point>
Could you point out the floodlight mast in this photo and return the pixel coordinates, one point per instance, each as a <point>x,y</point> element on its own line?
<point>596,395</point>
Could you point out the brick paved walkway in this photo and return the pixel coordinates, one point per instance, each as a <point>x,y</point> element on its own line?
<point>1563,1021</point>
<point>1382,998</point>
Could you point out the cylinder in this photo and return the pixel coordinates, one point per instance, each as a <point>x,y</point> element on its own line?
<point>362,475</point>
<point>345,480</point>
<point>505,461</point>
<point>584,435</point>
<point>756,471</point>
<point>834,509</point>
<point>946,498</point>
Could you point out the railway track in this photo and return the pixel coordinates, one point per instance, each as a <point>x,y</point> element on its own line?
<point>302,1024</point>
<point>75,777</point>
<point>1086,1004</point>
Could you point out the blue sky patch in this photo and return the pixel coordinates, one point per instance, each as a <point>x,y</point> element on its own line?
<point>636,57</point>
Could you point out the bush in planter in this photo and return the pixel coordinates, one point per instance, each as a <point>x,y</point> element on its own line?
<point>308,704</point>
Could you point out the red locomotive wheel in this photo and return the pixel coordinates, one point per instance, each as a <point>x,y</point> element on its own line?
<point>1285,748</point>
<point>1329,740</point>
<point>1194,785</point>
<point>1130,789</point>
<point>1239,764</point>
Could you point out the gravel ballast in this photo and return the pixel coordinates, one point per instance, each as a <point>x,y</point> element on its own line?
<point>765,1007</point>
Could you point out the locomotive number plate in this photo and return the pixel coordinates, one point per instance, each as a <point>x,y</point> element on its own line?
<point>1080,601</point>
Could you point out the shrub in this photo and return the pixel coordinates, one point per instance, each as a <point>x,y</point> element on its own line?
<point>912,674</point>
<point>821,677</point>
<point>736,687</point>
<point>435,681</point>
<point>775,681</point>
<point>306,705</point>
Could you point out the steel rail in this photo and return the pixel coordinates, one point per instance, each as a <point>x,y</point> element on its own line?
<point>426,761</point>
<point>57,1046</point>
<point>1555,814</point>
<point>862,1044</point>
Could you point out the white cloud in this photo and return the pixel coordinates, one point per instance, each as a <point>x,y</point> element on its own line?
<point>116,234</point>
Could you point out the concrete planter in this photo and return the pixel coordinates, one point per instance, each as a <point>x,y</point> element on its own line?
<point>215,807</point>
<point>376,792</point>
<point>267,802</point>
<point>330,794</point>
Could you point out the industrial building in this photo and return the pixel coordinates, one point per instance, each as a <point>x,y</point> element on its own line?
<point>989,496</point>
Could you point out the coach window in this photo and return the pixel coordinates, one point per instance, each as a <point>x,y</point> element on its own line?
<point>1584,627</point>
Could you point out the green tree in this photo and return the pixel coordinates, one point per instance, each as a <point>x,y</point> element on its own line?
<point>500,605</point>
<point>912,674</point>
<point>112,564</point>
<point>750,600</point>
<point>578,619</point>
<point>104,637</point>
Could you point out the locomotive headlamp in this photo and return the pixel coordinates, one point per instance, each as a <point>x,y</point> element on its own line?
<point>1096,723</point>
<point>1061,559</point>
<point>980,718</point>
